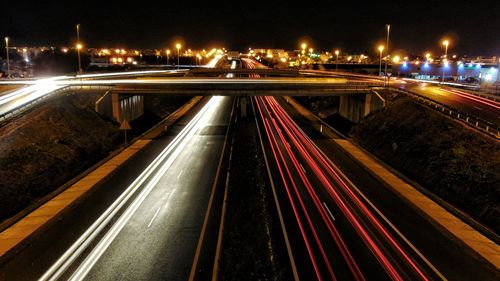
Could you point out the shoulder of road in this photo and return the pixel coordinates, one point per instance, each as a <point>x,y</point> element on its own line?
<point>34,220</point>
<point>479,243</point>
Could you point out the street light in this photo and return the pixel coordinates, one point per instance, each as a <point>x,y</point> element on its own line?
<point>445,43</point>
<point>380,49</point>
<point>78,48</point>
<point>168,54</point>
<point>178,47</point>
<point>387,44</point>
<point>337,52</point>
<point>7,51</point>
<point>198,59</point>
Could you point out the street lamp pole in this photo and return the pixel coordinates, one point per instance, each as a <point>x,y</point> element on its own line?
<point>387,47</point>
<point>380,49</point>
<point>445,43</point>
<point>168,54</point>
<point>78,47</point>
<point>337,52</point>
<point>7,51</point>
<point>178,46</point>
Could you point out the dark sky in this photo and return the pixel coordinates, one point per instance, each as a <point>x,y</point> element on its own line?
<point>417,26</point>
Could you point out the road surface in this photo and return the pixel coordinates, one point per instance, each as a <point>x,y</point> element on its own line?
<point>155,234</point>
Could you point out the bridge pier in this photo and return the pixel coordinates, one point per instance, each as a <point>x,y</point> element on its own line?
<point>356,107</point>
<point>120,106</point>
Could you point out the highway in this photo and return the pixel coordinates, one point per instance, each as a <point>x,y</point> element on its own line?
<point>146,221</point>
<point>344,238</point>
<point>451,258</point>
<point>343,223</point>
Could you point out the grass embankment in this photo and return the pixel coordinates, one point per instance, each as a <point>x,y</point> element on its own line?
<point>454,162</point>
<point>56,141</point>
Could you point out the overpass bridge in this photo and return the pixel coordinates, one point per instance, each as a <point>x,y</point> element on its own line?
<point>230,87</point>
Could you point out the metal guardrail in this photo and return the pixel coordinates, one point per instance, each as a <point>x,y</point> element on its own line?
<point>473,121</point>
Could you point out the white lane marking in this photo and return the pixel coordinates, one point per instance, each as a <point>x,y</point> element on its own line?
<point>154,217</point>
<point>302,167</point>
<point>328,210</point>
<point>180,174</point>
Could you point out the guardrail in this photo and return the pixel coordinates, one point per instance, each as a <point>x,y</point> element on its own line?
<point>473,121</point>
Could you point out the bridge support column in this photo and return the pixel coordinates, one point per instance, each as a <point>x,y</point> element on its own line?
<point>120,106</point>
<point>356,107</point>
<point>115,107</point>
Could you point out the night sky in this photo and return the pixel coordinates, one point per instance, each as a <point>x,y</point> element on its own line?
<point>354,26</point>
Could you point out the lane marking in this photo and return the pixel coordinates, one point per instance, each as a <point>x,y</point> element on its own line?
<point>302,167</point>
<point>180,174</point>
<point>157,211</point>
<point>328,210</point>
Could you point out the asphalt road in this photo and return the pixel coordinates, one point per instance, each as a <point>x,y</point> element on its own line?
<point>158,238</point>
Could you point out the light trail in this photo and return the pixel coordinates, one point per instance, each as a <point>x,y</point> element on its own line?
<point>141,186</point>
<point>475,98</point>
<point>18,98</point>
<point>130,73</point>
<point>345,199</point>
<point>310,152</point>
<point>213,63</point>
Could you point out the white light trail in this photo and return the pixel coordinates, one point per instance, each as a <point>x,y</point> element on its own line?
<point>28,94</point>
<point>213,62</point>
